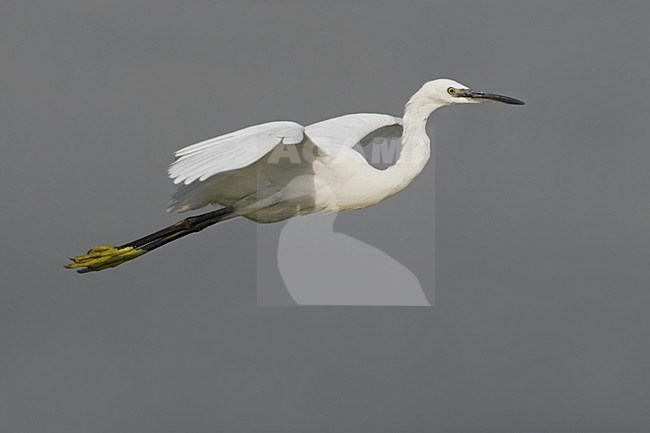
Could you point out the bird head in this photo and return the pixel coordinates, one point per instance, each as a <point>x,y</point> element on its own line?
<point>446,92</point>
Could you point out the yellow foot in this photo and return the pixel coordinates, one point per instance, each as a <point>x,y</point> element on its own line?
<point>104,257</point>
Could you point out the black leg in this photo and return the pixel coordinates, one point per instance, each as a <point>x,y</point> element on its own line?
<point>104,257</point>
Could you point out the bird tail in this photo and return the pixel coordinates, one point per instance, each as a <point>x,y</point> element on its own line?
<point>108,256</point>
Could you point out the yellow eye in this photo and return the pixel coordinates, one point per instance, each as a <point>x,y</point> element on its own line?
<point>451,91</point>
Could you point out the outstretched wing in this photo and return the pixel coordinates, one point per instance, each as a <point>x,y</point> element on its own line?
<point>348,130</point>
<point>241,148</point>
<point>232,151</point>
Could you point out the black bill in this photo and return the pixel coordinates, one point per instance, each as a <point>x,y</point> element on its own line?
<point>473,94</point>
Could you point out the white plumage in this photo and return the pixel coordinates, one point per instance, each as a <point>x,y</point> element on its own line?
<point>241,169</point>
<point>232,151</point>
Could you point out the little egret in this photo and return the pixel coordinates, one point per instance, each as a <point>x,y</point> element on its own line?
<point>278,170</point>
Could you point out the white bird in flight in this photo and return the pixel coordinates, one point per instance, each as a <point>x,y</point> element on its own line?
<point>275,171</point>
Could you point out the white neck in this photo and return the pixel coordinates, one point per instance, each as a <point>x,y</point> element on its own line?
<point>415,145</point>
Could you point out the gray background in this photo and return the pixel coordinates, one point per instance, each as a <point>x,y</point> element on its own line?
<point>542,217</point>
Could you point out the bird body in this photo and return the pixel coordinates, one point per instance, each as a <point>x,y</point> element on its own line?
<point>303,170</point>
<point>278,170</point>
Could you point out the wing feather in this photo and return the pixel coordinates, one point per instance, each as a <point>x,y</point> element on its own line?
<point>231,151</point>
<point>241,148</point>
<point>347,130</point>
